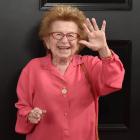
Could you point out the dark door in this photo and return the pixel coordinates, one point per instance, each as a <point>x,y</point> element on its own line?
<point>19,43</point>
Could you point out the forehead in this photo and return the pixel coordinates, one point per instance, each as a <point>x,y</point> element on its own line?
<point>64,26</point>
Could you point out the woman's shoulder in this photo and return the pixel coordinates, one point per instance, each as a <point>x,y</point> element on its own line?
<point>34,63</point>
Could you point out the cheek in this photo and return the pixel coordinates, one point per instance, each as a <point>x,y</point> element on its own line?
<point>52,44</point>
<point>75,45</point>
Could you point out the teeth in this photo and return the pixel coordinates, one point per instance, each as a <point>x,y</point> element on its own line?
<point>66,47</point>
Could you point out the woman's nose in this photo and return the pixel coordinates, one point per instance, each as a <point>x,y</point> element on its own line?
<point>64,39</point>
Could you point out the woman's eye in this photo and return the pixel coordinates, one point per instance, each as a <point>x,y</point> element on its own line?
<point>71,35</point>
<point>59,34</point>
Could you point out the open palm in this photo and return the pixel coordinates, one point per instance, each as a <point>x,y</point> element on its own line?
<point>96,36</point>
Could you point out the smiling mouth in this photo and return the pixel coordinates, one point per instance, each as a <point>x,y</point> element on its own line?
<point>64,47</point>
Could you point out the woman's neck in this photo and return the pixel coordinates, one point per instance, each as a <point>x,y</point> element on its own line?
<point>61,63</point>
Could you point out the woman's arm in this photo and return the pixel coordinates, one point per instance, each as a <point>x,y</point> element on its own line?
<point>106,74</point>
<point>24,104</point>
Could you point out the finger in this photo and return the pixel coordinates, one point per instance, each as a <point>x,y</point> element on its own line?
<point>89,25</point>
<point>86,29</point>
<point>35,116</point>
<point>103,25</point>
<point>41,112</point>
<point>32,116</point>
<point>95,24</point>
<point>34,121</point>
<point>38,111</point>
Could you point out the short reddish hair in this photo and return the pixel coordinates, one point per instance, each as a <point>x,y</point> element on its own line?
<point>65,13</point>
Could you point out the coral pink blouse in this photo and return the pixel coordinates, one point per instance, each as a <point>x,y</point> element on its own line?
<point>72,108</point>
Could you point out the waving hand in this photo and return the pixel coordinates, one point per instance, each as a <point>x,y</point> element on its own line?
<point>96,37</point>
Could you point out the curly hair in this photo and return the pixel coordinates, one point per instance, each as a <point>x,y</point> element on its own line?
<point>64,13</point>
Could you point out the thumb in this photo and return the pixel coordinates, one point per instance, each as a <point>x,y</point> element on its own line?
<point>86,43</point>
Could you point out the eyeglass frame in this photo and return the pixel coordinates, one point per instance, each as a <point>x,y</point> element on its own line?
<point>52,33</point>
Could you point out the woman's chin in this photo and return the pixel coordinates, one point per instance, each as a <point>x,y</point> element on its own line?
<point>65,54</point>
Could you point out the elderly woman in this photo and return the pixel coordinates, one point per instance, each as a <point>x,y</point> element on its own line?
<point>58,94</point>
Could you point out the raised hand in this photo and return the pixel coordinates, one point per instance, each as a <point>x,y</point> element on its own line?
<point>35,115</point>
<point>96,37</point>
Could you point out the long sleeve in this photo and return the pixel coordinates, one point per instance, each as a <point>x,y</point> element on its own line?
<point>106,74</point>
<point>24,104</point>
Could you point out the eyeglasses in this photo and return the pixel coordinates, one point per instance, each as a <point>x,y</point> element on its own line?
<point>70,36</point>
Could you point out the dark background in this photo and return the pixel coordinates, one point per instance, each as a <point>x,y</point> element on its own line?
<point>19,43</point>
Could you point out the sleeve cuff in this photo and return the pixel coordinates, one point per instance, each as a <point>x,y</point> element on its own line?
<point>112,57</point>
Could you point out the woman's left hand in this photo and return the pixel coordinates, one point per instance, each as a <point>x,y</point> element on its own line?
<point>96,37</point>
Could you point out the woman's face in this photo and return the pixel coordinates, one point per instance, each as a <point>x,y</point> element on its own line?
<point>63,39</point>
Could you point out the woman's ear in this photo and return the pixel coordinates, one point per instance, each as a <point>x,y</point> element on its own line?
<point>46,42</point>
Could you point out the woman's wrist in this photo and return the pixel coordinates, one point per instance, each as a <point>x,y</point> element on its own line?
<point>105,52</point>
